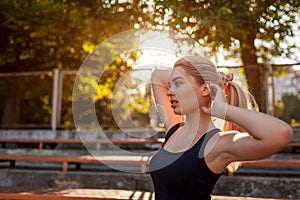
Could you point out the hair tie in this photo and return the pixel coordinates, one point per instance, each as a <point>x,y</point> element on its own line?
<point>226,77</point>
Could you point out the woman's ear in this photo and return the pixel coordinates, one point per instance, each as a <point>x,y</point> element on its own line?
<point>204,89</point>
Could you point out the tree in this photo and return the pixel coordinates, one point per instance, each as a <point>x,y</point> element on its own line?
<point>42,35</point>
<point>47,34</point>
<point>251,30</point>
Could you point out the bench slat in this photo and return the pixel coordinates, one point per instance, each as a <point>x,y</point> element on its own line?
<point>98,142</point>
<point>143,161</point>
<point>65,160</point>
<point>272,163</point>
<point>293,144</point>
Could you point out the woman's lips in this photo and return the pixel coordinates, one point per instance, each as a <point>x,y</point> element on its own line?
<point>174,103</point>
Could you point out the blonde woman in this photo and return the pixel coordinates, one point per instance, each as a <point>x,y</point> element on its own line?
<point>195,153</point>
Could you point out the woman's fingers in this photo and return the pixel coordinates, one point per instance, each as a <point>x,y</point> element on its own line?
<point>217,107</point>
<point>215,92</point>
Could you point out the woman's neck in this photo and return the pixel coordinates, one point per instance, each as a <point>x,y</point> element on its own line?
<point>198,122</point>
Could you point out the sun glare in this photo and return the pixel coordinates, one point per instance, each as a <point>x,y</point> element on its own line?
<point>296,67</point>
<point>152,59</point>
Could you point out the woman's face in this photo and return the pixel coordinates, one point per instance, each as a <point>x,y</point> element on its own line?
<point>184,92</point>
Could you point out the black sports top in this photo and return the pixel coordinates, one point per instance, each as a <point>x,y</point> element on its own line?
<point>183,175</point>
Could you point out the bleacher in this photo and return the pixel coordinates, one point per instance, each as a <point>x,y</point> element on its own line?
<point>46,154</point>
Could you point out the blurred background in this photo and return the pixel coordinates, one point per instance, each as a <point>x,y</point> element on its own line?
<point>45,41</point>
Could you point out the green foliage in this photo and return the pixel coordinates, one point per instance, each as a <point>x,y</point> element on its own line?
<point>282,71</point>
<point>23,103</point>
<point>44,35</point>
<point>288,109</point>
<point>251,30</point>
<point>229,23</point>
<point>47,34</point>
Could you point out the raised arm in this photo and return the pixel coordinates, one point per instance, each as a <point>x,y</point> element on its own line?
<point>159,81</point>
<point>265,136</point>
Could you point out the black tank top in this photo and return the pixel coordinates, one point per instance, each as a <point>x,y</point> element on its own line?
<point>183,175</point>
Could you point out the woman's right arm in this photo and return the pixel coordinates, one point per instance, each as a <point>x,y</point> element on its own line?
<point>160,88</point>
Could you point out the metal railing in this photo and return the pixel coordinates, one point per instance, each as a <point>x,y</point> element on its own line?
<point>44,99</point>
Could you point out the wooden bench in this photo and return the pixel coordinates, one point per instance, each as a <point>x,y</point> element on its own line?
<point>266,166</point>
<point>142,161</point>
<point>97,142</point>
<point>294,144</point>
<point>272,163</point>
<point>19,193</point>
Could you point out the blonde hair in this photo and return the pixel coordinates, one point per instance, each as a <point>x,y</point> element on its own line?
<point>203,70</point>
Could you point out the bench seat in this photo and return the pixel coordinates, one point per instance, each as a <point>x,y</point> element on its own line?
<point>65,160</point>
<point>97,142</point>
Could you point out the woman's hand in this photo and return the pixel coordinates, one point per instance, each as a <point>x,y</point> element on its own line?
<point>217,106</point>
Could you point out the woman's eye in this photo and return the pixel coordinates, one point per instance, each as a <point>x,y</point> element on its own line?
<point>178,84</point>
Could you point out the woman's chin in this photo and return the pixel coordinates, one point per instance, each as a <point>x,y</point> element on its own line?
<point>177,112</point>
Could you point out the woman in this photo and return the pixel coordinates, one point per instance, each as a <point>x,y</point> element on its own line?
<point>195,153</point>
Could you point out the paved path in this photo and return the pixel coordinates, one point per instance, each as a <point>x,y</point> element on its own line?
<point>18,193</point>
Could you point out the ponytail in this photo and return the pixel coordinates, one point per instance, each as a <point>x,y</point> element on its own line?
<point>235,95</point>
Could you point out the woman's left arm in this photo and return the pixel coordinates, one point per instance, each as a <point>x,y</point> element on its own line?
<point>265,136</point>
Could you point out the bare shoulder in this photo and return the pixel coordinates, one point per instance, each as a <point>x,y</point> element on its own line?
<point>222,142</point>
<point>241,146</point>
<point>216,152</point>
<point>218,142</point>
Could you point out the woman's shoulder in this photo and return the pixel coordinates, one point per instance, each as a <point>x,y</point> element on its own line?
<point>172,129</point>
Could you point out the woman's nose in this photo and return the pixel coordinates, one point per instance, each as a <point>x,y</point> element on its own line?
<point>170,93</point>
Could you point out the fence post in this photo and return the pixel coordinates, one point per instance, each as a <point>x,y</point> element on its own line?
<point>271,103</point>
<point>55,94</point>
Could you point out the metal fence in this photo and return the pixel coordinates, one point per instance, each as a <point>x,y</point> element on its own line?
<point>44,99</point>
<point>26,99</point>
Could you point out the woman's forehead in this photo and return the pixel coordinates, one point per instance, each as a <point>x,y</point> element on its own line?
<point>178,71</point>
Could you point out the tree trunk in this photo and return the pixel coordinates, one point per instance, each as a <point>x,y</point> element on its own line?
<point>255,73</point>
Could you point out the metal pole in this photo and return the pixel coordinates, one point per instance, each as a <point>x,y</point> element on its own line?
<point>54,99</point>
<point>59,98</point>
<point>267,90</point>
<point>274,98</point>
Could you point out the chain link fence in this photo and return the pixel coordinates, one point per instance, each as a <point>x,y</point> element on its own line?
<point>26,99</point>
